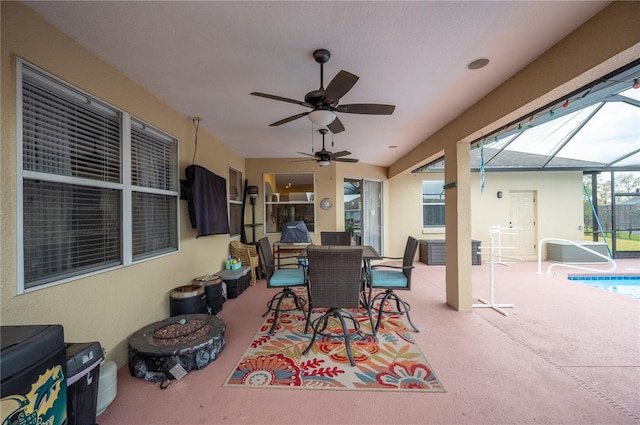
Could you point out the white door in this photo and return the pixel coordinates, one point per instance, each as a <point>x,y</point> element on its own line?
<point>522,219</point>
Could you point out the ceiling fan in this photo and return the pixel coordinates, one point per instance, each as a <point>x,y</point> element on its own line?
<point>323,157</point>
<point>324,102</point>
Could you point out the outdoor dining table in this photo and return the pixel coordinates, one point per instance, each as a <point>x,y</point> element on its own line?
<point>368,253</point>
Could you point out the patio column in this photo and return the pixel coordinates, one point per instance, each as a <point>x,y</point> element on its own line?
<point>457,179</point>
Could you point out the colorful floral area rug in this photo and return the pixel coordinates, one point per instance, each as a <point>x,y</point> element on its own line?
<point>390,361</point>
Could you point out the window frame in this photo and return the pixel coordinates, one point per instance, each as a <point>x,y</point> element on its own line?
<point>238,201</point>
<point>125,185</point>
<point>431,204</point>
<point>311,200</point>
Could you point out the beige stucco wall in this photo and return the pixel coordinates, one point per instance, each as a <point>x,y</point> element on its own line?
<point>110,306</point>
<point>558,204</point>
<point>558,199</point>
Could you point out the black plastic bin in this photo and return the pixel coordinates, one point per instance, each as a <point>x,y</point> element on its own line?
<point>32,375</point>
<point>213,291</point>
<point>236,280</point>
<point>188,299</point>
<point>83,374</point>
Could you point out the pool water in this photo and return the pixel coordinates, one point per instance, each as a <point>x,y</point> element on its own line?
<point>621,284</point>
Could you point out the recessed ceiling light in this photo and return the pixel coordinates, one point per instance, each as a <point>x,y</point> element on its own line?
<point>478,63</point>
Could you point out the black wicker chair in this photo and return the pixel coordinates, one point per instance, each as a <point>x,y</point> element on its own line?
<point>335,278</point>
<point>335,238</point>
<point>283,278</point>
<point>392,278</point>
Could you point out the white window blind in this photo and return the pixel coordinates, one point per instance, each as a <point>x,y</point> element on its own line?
<point>432,203</point>
<point>65,133</point>
<point>154,214</point>
<point>72,193</point>
<point>69,230</point>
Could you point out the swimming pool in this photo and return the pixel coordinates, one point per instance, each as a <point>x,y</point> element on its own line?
<point>626,284</point>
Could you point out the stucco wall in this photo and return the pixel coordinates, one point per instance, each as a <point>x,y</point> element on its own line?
<point>107,307</point>
<point>559,208</point>
<point>558,199</point>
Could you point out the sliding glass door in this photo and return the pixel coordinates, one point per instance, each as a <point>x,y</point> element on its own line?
<point>363,211</point>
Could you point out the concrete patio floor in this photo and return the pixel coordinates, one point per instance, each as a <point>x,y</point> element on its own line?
<point>567,353</point>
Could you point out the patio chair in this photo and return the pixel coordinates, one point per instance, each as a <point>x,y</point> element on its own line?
<point>335,238</point>
<point>335,276</point>
<point>283,277</point>
<point>392,278</point>
<point>248,254</point>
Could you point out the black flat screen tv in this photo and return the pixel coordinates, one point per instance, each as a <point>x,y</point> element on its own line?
<point>207,199</point>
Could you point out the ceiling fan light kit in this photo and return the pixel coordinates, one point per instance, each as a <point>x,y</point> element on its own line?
<point>321,117</point>
<point>324,102</point>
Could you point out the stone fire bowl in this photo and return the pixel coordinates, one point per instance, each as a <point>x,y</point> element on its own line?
<point>152,359</point>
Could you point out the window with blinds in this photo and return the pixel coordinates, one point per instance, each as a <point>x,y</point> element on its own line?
<point>432,203</point>
<point>235,202</point>
<point>154,192</point>
<point>73,201</point>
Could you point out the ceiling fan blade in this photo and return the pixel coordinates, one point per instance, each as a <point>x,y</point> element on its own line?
<point>286,120</point>
<point>338,87</point>
<point>344,159</point>
<point>339,154</point>
<point>282,99</point>
<point>336,126</point>
<point>367,108</point>
<point>308,154</point>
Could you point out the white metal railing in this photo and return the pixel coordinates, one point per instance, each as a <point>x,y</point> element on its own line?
<point>542,241</point>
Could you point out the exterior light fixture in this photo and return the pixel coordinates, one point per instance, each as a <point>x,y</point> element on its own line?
<point>252,191</point>
<point>322,117</point>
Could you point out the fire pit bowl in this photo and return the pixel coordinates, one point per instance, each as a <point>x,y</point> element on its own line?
<point>191,341</point>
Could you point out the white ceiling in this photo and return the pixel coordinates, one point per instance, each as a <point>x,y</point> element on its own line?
<point>203,58</point>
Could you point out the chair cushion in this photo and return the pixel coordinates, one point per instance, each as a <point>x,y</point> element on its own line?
<point>287,277</point>
<point>388,279</point>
